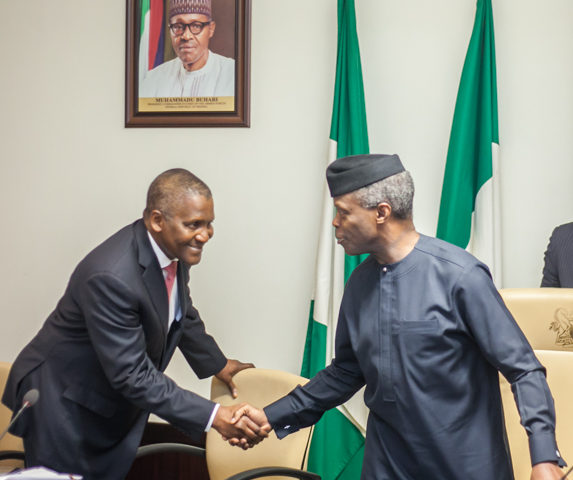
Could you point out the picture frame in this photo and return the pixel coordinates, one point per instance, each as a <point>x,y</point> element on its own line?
<point>160,91</point>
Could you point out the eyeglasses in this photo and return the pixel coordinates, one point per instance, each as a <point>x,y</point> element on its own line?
<point>195,28</point>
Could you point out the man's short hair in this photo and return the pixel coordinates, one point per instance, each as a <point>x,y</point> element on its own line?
<point>397,191</point>
<point>171,186</point>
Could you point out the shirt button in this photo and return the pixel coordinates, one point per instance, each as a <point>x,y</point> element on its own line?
<point>385,269</point>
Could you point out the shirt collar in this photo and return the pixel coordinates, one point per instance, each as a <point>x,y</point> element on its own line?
<point>163,259</point>
<point>209,65</point>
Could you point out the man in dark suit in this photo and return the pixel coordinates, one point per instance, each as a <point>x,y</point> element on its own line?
<point>558,268</point>
<point>99,358</point>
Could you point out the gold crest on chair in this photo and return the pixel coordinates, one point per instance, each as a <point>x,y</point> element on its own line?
<point>563,325</point>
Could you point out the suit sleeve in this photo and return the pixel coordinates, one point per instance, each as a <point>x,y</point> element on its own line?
<point>330,387</point>
<point>550,270</point>
<point>113,323</point>
<point>198,347</point>
<point>504,345</point>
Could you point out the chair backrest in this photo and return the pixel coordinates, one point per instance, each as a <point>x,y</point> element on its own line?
<point>259,387</point>
<point>9,442</point>
<point>546,317</point>
<point>544,314</point>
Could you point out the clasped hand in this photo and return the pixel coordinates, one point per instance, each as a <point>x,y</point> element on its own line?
<point>242,425</point>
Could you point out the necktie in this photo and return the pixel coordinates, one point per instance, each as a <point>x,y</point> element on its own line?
<point>171,271</point>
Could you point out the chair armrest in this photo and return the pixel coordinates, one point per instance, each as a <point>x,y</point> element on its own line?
<point>11,455</point>
<point>271,471</point>
<point>169,448</point>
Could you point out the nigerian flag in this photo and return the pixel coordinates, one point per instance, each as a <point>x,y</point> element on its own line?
<point>337,446</point>
<point>151,36</point>
<point>469,209</point>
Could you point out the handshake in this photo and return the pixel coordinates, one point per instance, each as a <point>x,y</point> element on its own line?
<point>242,425</point>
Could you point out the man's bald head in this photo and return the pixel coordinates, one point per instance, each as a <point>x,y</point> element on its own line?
<point>169,188</point>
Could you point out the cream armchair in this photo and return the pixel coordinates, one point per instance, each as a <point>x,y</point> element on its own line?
<point>258,387</point>
<point>272,458</point>
<point>546,317</point>
<point>11,447</point>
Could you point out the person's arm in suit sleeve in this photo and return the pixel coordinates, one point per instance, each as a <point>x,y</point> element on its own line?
<point>330,387</point>
<point>202,352</point>
<point>113,322</point>
<point>550,270</point>
<point>198,347</point>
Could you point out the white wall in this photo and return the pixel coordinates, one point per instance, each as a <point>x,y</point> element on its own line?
<point>72,174</point>
<point>413,52</point>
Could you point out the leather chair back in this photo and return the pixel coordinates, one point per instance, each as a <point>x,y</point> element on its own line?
<point>9,442</point>
<point>259,387</point>
<point>546,317</point>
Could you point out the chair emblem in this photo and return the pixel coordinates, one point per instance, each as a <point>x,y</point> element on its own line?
<point>563,325</point>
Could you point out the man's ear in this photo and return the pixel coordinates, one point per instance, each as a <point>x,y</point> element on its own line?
<point>212,27</point>
<point>156,221</point>
<point>383,212</point>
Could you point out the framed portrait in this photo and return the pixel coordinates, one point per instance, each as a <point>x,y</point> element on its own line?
<point>187,63</point>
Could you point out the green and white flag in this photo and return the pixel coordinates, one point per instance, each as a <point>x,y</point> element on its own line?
<point>337,446</point>
<point>470,208</point>
<point>144,40</point>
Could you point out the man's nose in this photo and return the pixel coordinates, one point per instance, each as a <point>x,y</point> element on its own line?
<point>205,234</point>
<point>187,35</point>
<point>335,222</point>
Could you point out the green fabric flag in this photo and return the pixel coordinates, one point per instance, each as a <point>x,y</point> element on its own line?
<point>469,208</point>
<point>337,446</point>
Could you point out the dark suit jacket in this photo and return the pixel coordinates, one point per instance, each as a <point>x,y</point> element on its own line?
<point>558,268</point>
<point>98,362</point>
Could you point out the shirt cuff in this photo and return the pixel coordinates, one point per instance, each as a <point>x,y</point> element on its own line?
<point>281,428</point>
<point>212,417</point>
<point>543,448</point>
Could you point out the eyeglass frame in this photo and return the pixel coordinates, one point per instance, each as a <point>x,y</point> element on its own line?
<point>187,26</point>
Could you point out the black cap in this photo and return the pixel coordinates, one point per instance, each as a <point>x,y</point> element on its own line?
<point>348,174</point>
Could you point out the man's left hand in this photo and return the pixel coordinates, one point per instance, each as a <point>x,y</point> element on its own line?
<point>228,372</point>
<point>546,471</point>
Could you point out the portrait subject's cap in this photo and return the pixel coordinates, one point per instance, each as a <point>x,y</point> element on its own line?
<point>178,7</point>
<point>348,174</point>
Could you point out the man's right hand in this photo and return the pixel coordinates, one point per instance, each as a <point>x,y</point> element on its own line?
<point>239,429</point>
<point>245,417</point>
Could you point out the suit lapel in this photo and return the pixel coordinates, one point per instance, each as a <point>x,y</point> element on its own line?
<point>182,281</point>
<point>152,276</point>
